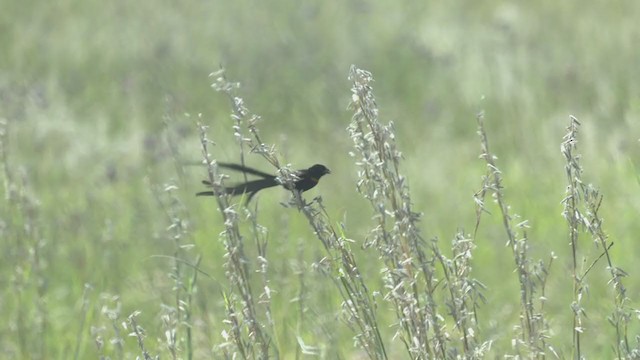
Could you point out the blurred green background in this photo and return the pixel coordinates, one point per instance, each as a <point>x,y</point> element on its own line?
<point>99,99</point>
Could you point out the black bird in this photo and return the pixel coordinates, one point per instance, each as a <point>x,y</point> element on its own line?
<point>306,179</point>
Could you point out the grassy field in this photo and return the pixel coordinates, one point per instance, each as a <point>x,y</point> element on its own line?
<point>509,110</point>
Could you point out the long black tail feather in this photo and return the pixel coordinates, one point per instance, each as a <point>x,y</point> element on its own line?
<point>244,169</point>
<point>250,187</point>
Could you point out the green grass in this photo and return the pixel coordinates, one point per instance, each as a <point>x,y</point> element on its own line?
<point>99,103</point>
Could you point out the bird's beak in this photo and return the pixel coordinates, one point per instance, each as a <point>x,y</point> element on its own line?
<point>328,171</point>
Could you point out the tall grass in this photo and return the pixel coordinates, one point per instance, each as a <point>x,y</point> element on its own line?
<point>396,292</point>
<point>434,299</point>
<point>581,211</point>
<point>30,254</point>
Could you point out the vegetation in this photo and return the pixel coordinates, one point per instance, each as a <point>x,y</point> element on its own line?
<point>466,227</point>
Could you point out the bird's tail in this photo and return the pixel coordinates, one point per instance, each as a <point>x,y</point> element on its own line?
<point>250,187</point>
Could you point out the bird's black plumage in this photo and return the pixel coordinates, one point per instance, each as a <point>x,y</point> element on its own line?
<point>306,179</point>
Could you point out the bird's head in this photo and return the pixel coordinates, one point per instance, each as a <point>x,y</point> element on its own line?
<point>317,171</point>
